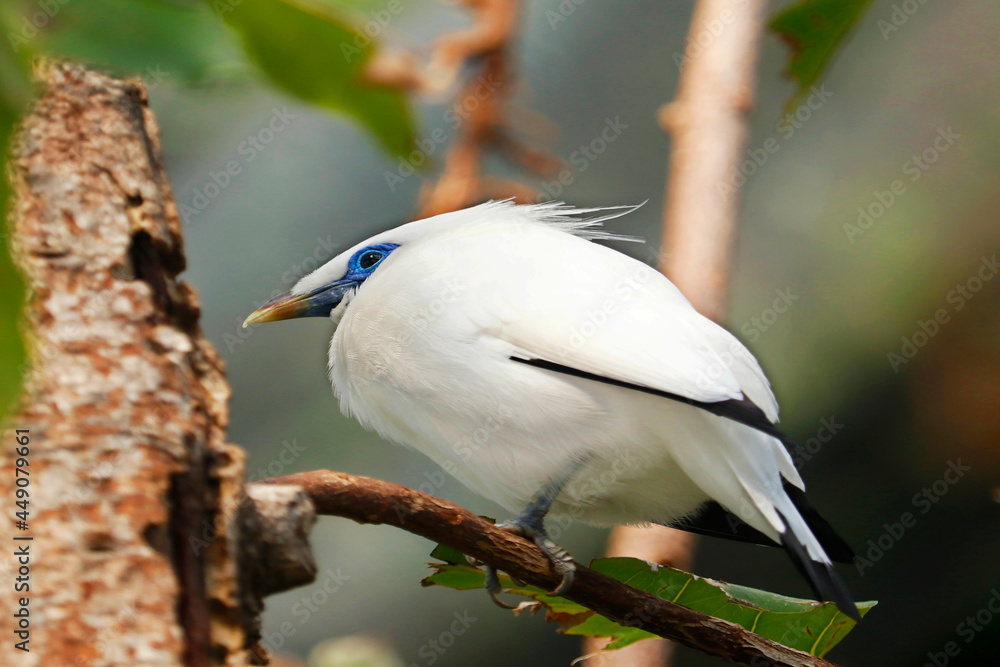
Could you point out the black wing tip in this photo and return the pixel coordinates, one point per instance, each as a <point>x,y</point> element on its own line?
<point>833,544</point>
<point>823,579</point>
<point>713,520</point>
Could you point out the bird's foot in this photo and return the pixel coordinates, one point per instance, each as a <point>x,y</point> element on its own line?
<point>533,530</point>
<point>493,587</point>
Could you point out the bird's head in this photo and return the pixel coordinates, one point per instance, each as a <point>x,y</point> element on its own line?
<point>320,292</point>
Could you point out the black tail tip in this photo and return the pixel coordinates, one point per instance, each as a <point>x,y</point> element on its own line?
<point>829,587</point>
<point>822,578</point>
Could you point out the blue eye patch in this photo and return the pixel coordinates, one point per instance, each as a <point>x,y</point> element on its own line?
<point>366,260</point>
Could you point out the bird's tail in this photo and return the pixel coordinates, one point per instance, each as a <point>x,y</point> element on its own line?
<point>824,581</point>
<point>740,470</point>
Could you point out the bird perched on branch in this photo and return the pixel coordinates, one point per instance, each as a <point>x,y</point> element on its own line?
<point>548,372</point>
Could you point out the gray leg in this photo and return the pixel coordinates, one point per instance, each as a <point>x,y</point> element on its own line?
<point>530,524</point>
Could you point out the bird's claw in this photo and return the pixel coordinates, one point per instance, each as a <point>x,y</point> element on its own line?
<point>494,588</point>
<point>562,562</point>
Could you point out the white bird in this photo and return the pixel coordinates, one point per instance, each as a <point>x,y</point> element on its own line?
<point>548,372</point>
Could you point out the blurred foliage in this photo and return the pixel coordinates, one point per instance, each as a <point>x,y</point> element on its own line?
<point>283,38</point>
<point>185,43</point>
<point>14,94</point>
<point>304,47</point>
<point>813,31</point>
<point>805,625</point>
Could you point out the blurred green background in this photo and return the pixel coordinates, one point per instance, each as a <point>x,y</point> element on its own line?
<point>857,296</point>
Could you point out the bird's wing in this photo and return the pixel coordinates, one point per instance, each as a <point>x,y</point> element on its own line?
<point>614,317</point>
<point>581,308</point>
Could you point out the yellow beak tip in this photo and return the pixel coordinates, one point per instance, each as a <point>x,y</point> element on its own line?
<point>282,307</point>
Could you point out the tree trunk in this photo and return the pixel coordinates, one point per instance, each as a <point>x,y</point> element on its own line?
<point>135,499</point>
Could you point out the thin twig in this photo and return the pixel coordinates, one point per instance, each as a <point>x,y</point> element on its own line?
<point>481,106</point>
<point>367,500</point>
<point>480,100</point>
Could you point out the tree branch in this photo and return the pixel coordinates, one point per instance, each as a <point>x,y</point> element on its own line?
<point>367,500</point>
<point>709,125</point>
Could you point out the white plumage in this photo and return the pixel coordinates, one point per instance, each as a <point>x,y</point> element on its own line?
<point>431,346</point>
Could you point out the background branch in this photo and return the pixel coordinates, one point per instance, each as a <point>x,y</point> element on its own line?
<point>709,125</point>
<point>482,106</point>
<point>367,500</point>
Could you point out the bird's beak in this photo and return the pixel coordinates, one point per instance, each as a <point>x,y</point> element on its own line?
<point>317,303</point>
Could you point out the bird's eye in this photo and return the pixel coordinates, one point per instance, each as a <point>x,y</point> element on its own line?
<point>369,259</point>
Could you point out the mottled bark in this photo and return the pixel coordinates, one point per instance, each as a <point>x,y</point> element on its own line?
<point>134,491</point>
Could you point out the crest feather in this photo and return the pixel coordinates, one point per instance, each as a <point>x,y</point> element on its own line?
<point>569,218</point>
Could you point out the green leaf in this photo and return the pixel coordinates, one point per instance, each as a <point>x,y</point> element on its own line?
<point>303,46</point>
<point>14,91</point>
<point>813,31</point>
<point>308,51</point>
<point>805,625</point>
<point>163,40</point>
